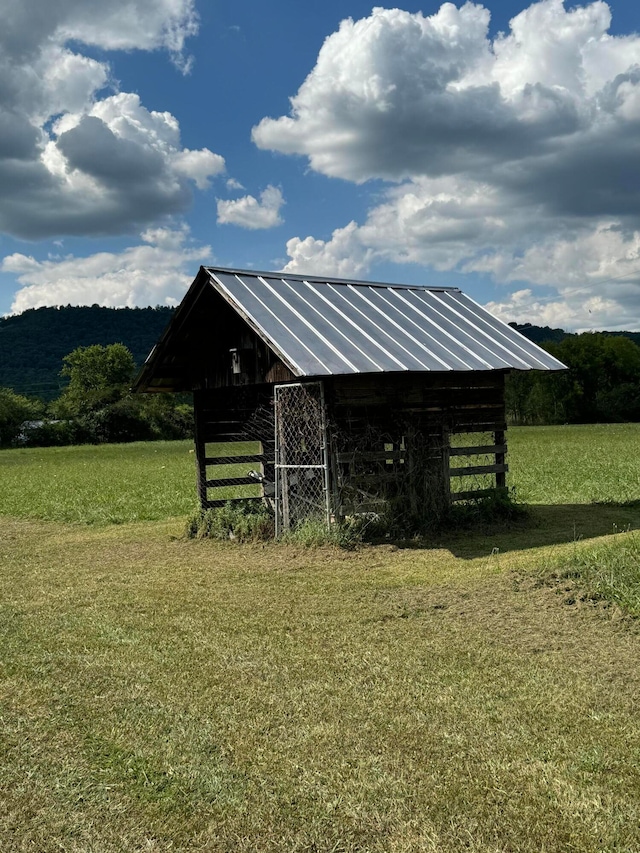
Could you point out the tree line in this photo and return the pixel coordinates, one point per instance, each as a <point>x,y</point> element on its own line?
<point>602,383</point>
<point>96,405</point>
<point>33,344</point>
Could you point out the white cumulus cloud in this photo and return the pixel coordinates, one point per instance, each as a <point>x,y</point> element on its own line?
<point>157,271</point>
<point>513,156</point>
<point>343,256</point>
<point>77,156</point>
<point>249,212</point>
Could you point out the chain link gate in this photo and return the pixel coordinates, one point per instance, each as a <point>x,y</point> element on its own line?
<point>301,455</point>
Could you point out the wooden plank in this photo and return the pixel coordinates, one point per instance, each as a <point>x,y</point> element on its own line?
<point>451,397</point>
<point>226,412</point>
<point>445,440</point>
<point>430,407</point>
<point>416,387</point>
<point>478,469</point>
<point>478,450</point>
<point>461,428</point>
<point>231,481</point>
<point>222,423</point>
<point>223,437</point>
<point>477,494</point>
<point>235,460</point>
<point>201,472</point>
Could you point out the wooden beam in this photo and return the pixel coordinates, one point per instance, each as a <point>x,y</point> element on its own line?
<point>478,450</point>
<point>501,477</point>
<point>478,426</point>
<point>235,460</point>
<point>231,481</point>
<point>478,469</point>
<point>216,503</point>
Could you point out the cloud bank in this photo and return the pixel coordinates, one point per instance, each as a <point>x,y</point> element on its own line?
<point>77,156</point>
<point>515,156</point>
<point>158,271</point>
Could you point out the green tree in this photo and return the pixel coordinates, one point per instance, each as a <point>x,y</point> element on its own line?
<point>97,406</point>
<point>601,366</point>
<point>602,383</point>
<point>14,411</point>
<point>98,376</point>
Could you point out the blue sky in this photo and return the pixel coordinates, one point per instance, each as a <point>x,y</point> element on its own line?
<point>491,146</point>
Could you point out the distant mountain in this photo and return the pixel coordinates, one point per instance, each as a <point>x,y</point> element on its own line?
<point>33,344</point>
<point>540,334</point>
<point>544,334</point>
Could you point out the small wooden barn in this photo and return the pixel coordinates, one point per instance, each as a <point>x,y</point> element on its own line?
<point>337,397</point>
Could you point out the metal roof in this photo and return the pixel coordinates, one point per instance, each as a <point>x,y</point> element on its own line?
<point>323,326</point>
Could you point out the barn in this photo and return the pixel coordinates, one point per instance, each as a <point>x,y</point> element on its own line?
<point>340,397</point>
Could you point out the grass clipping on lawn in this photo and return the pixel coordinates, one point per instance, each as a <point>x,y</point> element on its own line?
<point>173,695</point>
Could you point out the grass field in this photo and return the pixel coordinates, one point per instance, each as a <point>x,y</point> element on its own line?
<point>156,480</point>
<point>159,694</point>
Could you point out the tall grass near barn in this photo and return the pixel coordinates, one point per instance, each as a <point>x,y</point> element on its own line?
<point>575,464</point>
<point>106,484</point>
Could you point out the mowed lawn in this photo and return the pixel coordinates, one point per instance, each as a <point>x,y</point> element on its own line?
<point>159,694</point>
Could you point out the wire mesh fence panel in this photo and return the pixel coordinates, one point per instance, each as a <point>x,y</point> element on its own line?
<point>301,463</point>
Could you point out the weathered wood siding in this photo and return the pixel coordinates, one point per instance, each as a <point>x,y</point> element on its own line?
<point>226,419</point>
<point>390,438</point>
<point>393,438</point>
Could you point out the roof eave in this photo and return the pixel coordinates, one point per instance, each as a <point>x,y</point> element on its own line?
<point>142,381</point>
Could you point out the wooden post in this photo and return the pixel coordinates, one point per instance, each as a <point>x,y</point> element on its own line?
<point>446,467</point>
<point>501,477</point>
<point>200,447</point>
<point>500,439</point>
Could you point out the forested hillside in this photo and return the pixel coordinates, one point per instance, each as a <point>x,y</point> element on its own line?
<point>34,343</point>
<point>547,335</point>
<point>603,383</point>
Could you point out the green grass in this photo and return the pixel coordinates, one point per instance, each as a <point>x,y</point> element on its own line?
<point>163,694</point>
<point>152,481</point>
<point>171,695</point>
<point>105,484</point>
<point>575,464</point>
<point>606,571</point>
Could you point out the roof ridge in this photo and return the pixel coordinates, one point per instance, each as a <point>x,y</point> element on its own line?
<point>328,279</point>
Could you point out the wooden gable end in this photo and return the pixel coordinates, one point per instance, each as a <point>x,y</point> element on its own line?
<point>209,345</point>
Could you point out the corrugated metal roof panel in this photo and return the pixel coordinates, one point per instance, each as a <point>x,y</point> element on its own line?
<point>327,326</point>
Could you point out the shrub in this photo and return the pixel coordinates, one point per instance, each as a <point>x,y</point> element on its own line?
<point>314,532</point>
<point>241,520</point>
<point>14,411</point>
<point>56,434</point>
